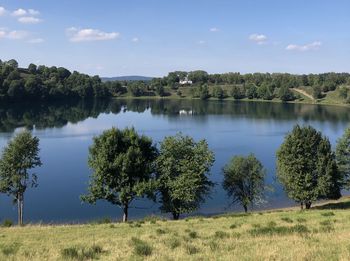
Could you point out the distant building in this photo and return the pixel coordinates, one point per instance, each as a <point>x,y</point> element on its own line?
<point>185,81</point>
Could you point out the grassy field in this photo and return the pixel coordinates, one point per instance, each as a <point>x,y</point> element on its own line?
<point>322,233</point>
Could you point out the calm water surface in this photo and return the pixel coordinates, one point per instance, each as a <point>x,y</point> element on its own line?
<point>66,131</point>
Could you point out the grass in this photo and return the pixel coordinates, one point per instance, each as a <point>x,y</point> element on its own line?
<point>321,233</point>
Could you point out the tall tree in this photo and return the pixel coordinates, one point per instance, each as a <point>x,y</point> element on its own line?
<point>183,166</point>
<point>342,153</point>
<point>306,167</point>
<point>122,163</point>
<point>19,156</point>
<point>244,180</point>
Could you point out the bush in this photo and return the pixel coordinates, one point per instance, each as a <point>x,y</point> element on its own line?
<point>221,234</point>
<point>7,223</point>
<point>287,219</point>
<point>173,243</point>
<point>193,234</point>
<point>327,214</point>
<point>82,253</point>
<point>141,248</point>
<point>160,231</point>
<point>10,249</point>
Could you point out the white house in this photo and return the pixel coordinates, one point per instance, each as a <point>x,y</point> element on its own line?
<point>185,81</point>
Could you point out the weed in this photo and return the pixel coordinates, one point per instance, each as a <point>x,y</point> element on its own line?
<point>193,234</point>
<point>141,248</point>
<point>301,220</point>
<point>287,219</point>
<point>10,249</point>
<point>173,243</point>
<point>82,253</point>
<point>221,234</point>
<point>160,231</point>
<point>327,214</point>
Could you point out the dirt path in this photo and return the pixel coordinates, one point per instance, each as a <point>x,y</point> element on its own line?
<point>304,93</point>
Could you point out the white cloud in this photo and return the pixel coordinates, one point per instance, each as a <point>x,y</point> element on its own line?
<point>17,35</point>
<point>302,48</point>
<point>2,11</point>
<point>201,42</point>
<point>33,12</point>
<point>258,38</point>
<point>135,40</point>
<point>19,12</point>
<point>36,40</point>
<point>88,34</point>
<point>214,29</point>
<point>29,20</point>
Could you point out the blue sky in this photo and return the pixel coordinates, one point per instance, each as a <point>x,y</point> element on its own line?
<point>153,37</point>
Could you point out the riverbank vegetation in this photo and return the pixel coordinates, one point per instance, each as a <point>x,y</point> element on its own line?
<point>54,83</point>
<point>321,233</point>
<point>128,166</point>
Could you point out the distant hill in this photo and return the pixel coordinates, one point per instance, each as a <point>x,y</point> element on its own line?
<point>127,78</point>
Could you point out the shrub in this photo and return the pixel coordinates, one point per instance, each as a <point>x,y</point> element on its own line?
<point>82,253</point>
<point>221,234</point>
<point>193,234</point>
<point>141,248</point>
<point>173,243</point>
<point>301,220</point>
<point>10,249</point>
<point>7,223</point>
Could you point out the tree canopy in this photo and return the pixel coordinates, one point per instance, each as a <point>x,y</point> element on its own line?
<point>182,169</point>
<point>122,164</point>
<point>244,180</point>
<point>19,156</point>
<point>306,166</point>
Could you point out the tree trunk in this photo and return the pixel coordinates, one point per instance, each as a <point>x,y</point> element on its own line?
<point>245,208</point>
<point>20,199</point>
<point>308,205</point>
<point>301,205</point>
<point>125,213</point>
<point>176,216</point>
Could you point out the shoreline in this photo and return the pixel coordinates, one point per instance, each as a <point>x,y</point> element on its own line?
<point>230,99</point>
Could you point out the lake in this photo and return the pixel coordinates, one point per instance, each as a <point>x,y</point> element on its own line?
<point>66,131</point>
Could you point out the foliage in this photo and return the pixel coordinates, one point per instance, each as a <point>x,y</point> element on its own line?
<point>218,92</point>
<point>122,163</point>
<point>244,180</point>
<point>342,153</point>
<point>285,94</point>
<point>19,156</point>
<point>306,166</point>
<point>182,168</point>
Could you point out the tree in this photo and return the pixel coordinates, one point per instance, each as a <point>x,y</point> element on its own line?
<point>342,153</point>
<point>244,180</point>
<point>306,167</point>
<point>32,68</point>
<point>218,92</point>
<point>251,91</point>
<point>317,92</point>
<point>285,94</point>
<point>122,163</point>
<point>237,92</point>
<point>19,156</point>
<point>182,169</point>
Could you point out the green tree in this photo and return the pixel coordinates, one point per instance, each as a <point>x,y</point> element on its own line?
<point>218,92</point>
<point>122,164</point>
<point>317,92</point>
<point>342,153</point>
<point>306,167</point>
<point>251,91</point>
<point>19,156</point>
<point>183,166</point>
<point>244,180</point>
<point>285,94</point>
<point>237,92</point>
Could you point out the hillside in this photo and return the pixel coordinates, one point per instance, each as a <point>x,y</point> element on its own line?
<point>127,78</point>
<point>318,234</point>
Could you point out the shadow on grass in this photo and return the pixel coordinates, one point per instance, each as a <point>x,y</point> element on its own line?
<point>335,205</point>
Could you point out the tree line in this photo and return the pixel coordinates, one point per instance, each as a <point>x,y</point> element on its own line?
<point>127,166</point>
<point>50,83</point>
<point>53,83</point>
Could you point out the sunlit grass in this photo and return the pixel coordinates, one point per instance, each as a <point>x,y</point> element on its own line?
<point>287,235</point>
